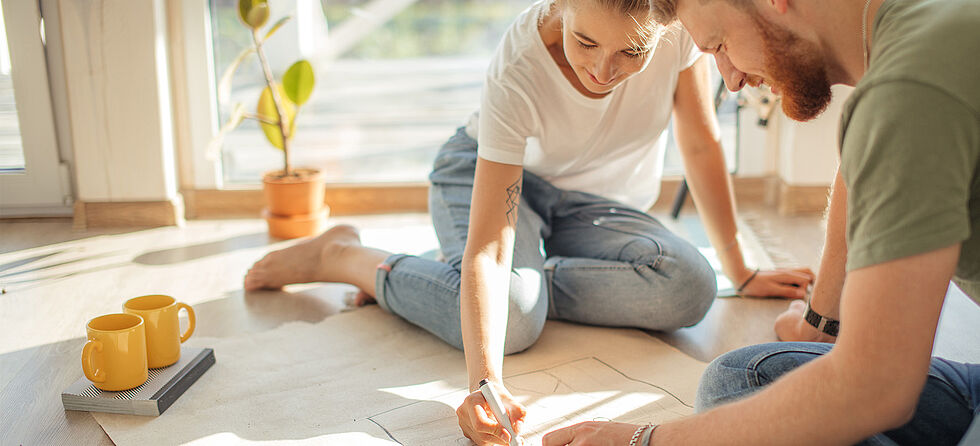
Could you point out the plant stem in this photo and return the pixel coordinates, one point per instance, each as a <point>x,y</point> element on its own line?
<point>261,119</point>
<point>270,81</point>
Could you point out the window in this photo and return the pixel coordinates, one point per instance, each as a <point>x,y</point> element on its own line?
<point>395,81</point>
<point>32,179</point>
<point>395,78</point>
<point>11,148</point>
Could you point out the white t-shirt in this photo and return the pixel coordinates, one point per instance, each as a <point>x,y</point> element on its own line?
<point>531,115</point>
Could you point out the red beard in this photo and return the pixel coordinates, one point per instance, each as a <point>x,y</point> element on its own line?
<point>798,69</point>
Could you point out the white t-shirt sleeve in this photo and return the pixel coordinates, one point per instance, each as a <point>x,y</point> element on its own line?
<point>687,50</point>
<point>505,122</point>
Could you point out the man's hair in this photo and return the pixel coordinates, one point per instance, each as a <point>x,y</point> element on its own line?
<point>664,11</point>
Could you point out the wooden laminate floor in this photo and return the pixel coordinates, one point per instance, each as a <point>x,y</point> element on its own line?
<point>55,279</point>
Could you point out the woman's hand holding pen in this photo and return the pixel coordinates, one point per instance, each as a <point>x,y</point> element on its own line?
<point>478,423</point>
<point>783,282</point>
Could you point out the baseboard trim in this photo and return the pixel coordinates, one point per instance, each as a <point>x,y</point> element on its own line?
<point>802,199</point>
<point>747,190</point>
<point>354,199</point>
<point>100,214</point>
<point>343,200</point>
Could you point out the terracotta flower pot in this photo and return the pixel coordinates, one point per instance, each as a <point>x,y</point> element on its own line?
<point>294,204</point>
<point>301,193</point>
<point>295,226</point>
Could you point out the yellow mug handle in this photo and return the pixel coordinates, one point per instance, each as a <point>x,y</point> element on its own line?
<point>94,375</point>
<point>191,320</point>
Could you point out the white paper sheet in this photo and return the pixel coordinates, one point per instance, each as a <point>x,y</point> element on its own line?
<point>366,377</point>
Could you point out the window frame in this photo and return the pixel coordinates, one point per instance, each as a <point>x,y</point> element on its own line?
<point>44,188</point>
<point>194,95</point>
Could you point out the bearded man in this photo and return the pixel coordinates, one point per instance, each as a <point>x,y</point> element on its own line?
<point>909,187</point>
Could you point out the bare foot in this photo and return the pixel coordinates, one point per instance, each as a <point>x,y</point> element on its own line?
<point>321,259</point>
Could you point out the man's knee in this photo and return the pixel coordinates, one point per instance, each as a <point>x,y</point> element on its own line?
<point>723,380</point>
<point>741,372</point>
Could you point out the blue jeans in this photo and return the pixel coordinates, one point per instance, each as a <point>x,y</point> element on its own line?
<point>947,406</point>
<point>577,257</point>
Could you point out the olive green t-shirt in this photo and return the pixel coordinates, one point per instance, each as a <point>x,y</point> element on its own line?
<point>910,138</point>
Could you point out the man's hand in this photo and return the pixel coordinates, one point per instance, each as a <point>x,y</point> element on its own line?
<point>478,423</point>
<point>598,433</point>
<point>790,326</point>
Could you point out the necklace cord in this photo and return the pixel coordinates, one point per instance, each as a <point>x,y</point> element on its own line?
<point>864,33</point>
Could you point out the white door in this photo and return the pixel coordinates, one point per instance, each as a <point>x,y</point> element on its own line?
<point>32,181</point>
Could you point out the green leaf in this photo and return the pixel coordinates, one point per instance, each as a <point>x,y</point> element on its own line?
<point>258,15</point>
<point>266,108</point>
<point>224,85</point>
<point>298,82</point>
<point>244,6</point>
<point>253,13</point>
<point>275,27</point>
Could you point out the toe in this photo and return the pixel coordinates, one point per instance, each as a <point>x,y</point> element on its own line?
<point>250,283</point>
<point>255,279</point>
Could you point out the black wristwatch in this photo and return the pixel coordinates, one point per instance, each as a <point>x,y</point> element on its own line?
<point>821,322</point>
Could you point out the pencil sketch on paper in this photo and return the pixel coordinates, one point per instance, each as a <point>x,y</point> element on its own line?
<point>584,389</point>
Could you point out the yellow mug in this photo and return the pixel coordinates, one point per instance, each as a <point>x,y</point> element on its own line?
<point>163,337</point>
<point>114,358</point>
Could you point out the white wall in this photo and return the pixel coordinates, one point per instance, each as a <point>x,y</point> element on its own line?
<point>799,153</point>
<point>808,152</point>
<point>116,73</point>
<point>756,158</point>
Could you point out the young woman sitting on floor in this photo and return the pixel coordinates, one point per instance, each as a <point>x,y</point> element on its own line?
<point>538,202</point>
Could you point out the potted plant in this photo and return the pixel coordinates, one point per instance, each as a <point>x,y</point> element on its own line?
<point>293,196</point>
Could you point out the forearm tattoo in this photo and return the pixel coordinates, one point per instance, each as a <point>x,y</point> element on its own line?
<point>513,199</point>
